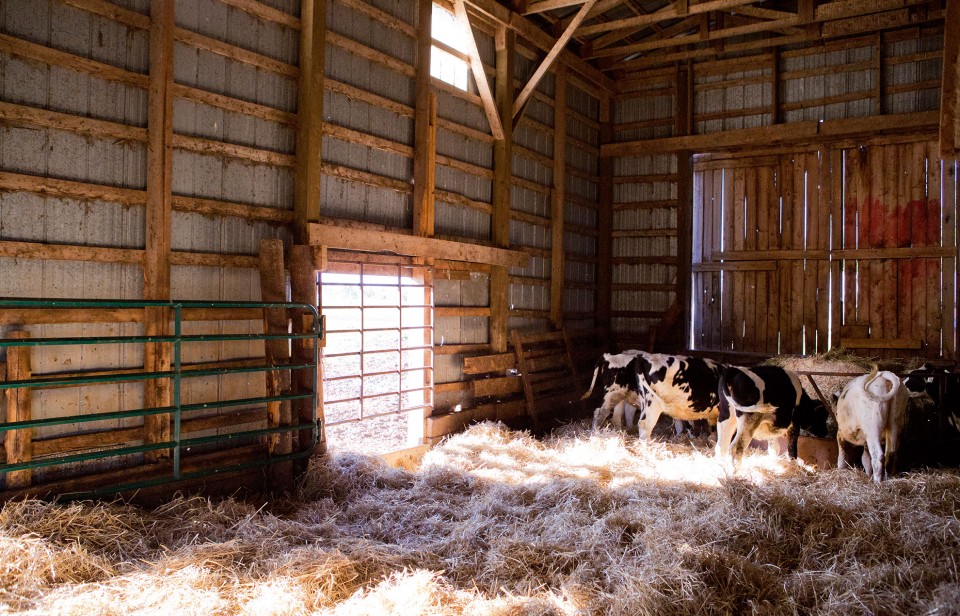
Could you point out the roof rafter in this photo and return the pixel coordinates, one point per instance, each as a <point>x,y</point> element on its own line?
<point>550,58</point>
<point>479,75</point>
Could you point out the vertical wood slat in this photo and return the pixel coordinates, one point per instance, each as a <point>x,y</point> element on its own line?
<point>273,289</point>
<point>752,304</point>
<point>949,219</point>
<point>726,295</point>
<point>738,299</point>
<point>934,268</point>
<point>158,220</point>
<point>799,208</point>
<point>558,194</point>
<point>811,172</point>
<point>892,203</point>
<point>304,290</point>
<point>18,443</point>
<point>761,197</point>
<point>838,222</point>
<point>912,229</point>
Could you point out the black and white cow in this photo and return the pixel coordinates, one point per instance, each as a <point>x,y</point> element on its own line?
<point>871,413</point>
<point>685,388</point>
<point>764,403</point>
<point>617,374</point>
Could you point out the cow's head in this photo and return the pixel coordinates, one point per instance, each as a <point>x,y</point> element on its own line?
<point>923,388</point>
<point>811,415</point>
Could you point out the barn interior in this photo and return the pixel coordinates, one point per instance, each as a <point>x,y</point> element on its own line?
<point>312,248</point>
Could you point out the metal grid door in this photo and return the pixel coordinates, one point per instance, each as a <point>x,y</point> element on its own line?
<point>378,358</point>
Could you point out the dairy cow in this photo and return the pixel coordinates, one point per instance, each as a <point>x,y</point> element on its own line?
<point>764,403</point>
<point>871,413</point>
<point>617,374</point>
<point>685,388</point>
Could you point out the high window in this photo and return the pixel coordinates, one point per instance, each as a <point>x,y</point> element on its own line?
<point>448,60</point>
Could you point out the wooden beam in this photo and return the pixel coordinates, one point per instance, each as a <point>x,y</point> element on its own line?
<point>505,42</point>
<point>313,20</point>
<point>668,12</point>
<point>689,39</point>
<point>557,201</point>
<point>950,85</point>
<point>540,39</point>
<point>304,290</point>
<point>476,68</point>
<point>796,132</point>
<point>548,61</point>
<point>18,442</point>
<point>549,5</point>
<point>425,127</point>
<point>158,220</point>
<point>368,240</point>
<point>273,288</point>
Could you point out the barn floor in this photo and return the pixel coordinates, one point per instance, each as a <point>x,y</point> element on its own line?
<point>497,523</point>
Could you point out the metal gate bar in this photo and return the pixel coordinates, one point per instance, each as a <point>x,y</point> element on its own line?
<point>177,374</point>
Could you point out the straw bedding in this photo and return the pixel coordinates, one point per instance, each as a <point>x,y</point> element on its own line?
<point>495,522</point>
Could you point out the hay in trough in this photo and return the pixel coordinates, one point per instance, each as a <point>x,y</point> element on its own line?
<point>496,522</point>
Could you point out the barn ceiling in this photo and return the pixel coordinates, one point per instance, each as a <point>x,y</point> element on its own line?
<point>619,36</point>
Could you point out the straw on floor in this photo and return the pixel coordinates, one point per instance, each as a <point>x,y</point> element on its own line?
<point>495,522</point>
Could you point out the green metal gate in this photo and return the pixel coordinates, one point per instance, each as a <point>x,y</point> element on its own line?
<point>177,375</point>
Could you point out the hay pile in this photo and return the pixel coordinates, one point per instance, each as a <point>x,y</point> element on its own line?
<point>498,523</point>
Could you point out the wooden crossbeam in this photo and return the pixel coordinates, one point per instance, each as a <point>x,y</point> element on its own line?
<point>479,75</point>
<point>548,61</point>
<point>667,12</point>
<point>549,5</point>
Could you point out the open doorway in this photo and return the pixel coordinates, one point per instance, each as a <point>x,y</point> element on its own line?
<point>378,357</point>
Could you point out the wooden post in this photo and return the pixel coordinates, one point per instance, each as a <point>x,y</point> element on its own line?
<point>425,127</point>
<point>303,290</point>
<point>158,219</point>
<point>313,30</point>
<point>558,195</point>
<point>684,126</point>
<point>502,176</point>
<point>273,288</point>
<point>950,84</point>
<point>605,218</point>
<point>18,442</point>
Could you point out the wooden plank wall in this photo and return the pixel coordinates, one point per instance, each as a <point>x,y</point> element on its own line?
<point>760,262</point>
<point>894,207</point>
<point>857,77</point>
<point>771,277</point>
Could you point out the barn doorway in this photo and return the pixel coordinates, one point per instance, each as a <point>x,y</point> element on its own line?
<point>804,251</point>
<point>378,357</point>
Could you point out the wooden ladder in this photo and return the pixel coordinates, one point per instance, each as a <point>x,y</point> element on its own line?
<point>550,381</point>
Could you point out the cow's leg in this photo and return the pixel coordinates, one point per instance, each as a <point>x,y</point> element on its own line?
<point>600,416</point>
<point>649,420</point>
<point>793,440</point>
<point>617,419</point>
<point>725,431</point>
<point>892,442</point>
<point>629,416</point>
<point>613,396</point>
<point>678,427</point>
<point>746,425</point>
<point>841,452</point>
<point>773,448</point>
<point>874,453</point>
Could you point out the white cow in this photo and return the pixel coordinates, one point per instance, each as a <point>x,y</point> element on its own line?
<point>871,413</point>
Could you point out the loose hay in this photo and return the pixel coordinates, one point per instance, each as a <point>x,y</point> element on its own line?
<point>496,522</point>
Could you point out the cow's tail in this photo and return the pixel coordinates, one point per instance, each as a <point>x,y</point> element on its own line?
<point>596,372</point>
<point>895,385</point>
